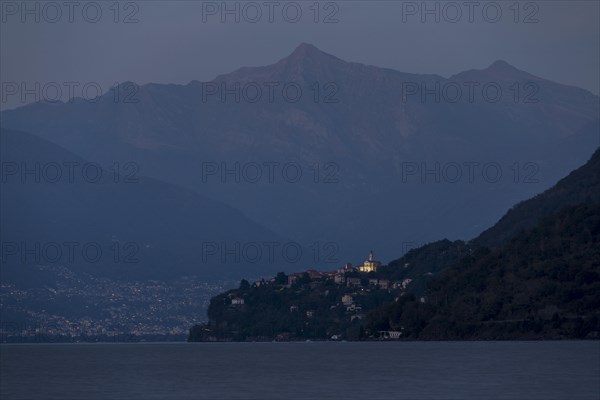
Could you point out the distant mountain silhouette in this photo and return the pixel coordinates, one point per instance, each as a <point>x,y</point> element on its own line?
<point>365,126</point>
<point>162,231</point>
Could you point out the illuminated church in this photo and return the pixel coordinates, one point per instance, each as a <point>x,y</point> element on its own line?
<point>370,265</point>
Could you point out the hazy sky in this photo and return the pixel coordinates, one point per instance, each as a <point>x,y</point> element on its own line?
<point>179,41</point>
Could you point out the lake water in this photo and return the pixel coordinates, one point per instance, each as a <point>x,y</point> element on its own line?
<point>315,371</point>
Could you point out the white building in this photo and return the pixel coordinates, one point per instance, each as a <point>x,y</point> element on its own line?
<point>370,264</point>
<point>347,299</point>
<point>237,301</point>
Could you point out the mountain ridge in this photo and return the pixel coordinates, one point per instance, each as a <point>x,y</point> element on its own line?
<point>361,125</point>
<point>580,186</point>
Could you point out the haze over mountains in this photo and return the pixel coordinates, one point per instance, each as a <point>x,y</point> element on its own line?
<point>111,223</point>
<point>364,138</point>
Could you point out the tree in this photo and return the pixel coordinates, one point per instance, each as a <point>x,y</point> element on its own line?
<point>304,279</point>
<point>244,285</point>
<point>281,278</point>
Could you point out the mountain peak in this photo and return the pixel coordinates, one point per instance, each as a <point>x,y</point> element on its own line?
<point>305,50</point>
<point>499,69</point>
<point>308,53</point>
<point>306,58</point>
<point>500,66</point>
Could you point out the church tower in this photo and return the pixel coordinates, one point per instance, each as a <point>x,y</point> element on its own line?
<point>370,265</point>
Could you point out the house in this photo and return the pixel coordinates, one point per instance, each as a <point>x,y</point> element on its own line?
<point>373,281</point>
<point>370,265</point>
<point>384,284</point>
<point>293,308</point>
<point>315,274</point>
<point>353,281</point>
<point>237,301</point>
<point>292,278</point>
<point>390,334</point>
<point>354,307</point>
<point>339,279</point>
<point>346,268</point>
<point>406,282</point>
<point>395,334</point>
<point>310,313</point>
<point>347,299</point>
<point>283,337</point>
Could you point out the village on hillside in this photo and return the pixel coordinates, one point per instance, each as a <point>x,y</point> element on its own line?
<point>309,304</point>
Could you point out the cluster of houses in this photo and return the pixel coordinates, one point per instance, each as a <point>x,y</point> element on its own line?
<point>339,277</point>
<point>344,276</point>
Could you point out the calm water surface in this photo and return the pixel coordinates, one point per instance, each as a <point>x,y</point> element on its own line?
<point>417,370</point>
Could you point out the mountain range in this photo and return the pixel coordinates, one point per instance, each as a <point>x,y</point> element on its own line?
<point>386,157</point>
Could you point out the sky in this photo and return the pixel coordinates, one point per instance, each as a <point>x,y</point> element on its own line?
<point>49,48</point>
